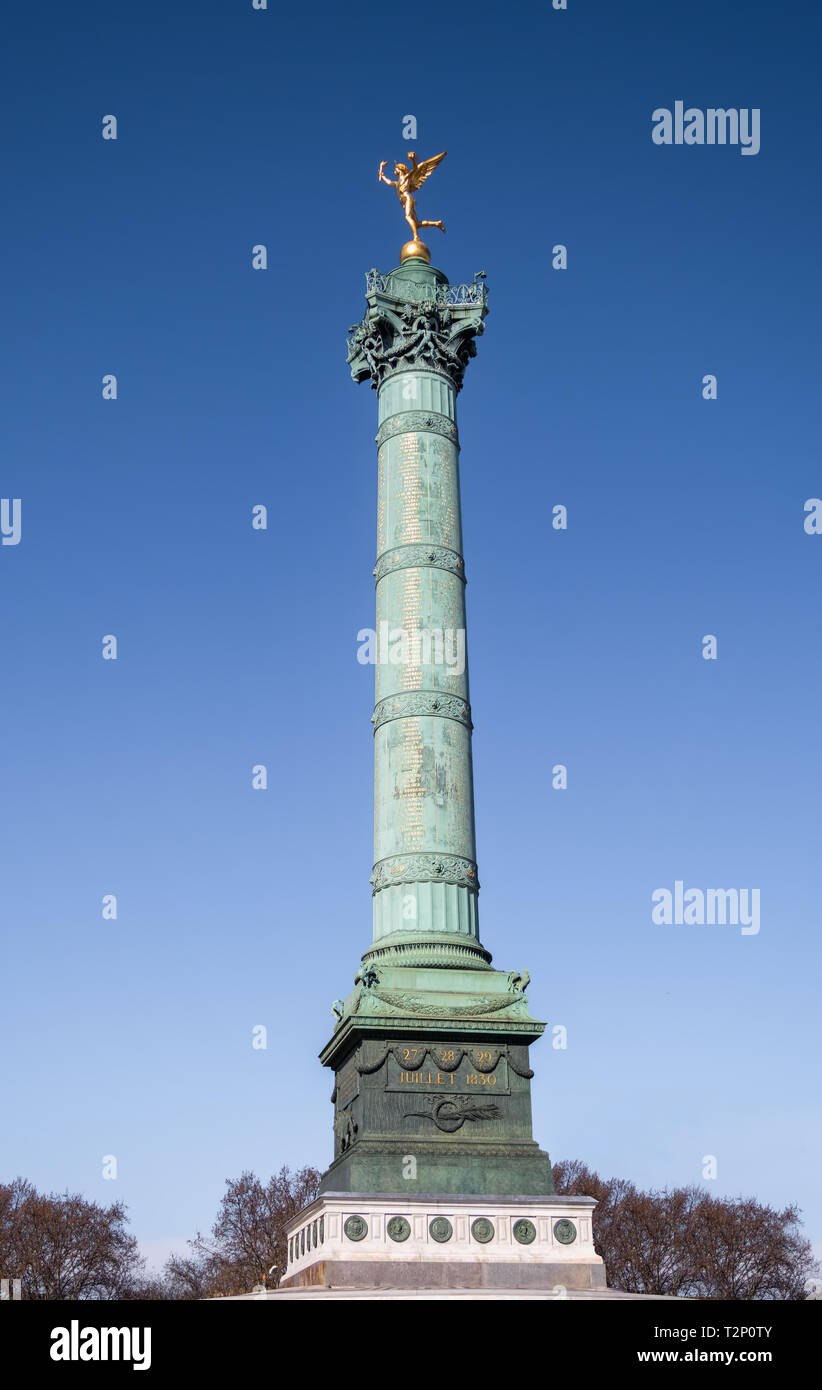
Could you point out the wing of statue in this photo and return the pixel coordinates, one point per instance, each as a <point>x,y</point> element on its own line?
<point>420,174</point>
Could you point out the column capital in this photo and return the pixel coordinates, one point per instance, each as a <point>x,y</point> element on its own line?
<point>416,320</point>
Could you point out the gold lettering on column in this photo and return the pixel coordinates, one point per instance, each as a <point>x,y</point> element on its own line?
<point>411,613</point>
<point>410,788</point>
<point>382,490</point>
<point>410,490</point>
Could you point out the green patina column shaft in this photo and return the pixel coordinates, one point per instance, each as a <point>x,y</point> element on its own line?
<point>414,344</point>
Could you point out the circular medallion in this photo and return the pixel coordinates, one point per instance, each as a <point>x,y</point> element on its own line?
<point>398,1228</point>
<point>441,1229</point>
<point>482,1230</point>
<point>525,1231</point>
<point>356,1228</point>
<point>565,1232</point>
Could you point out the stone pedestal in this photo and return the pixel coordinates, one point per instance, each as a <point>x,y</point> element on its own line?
<point>393,1241</point>
<point>433,1085</point>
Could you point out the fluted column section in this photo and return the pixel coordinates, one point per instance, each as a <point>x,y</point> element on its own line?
<point>424,880</point>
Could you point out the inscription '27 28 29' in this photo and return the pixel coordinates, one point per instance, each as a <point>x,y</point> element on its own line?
<point>447,1056</point>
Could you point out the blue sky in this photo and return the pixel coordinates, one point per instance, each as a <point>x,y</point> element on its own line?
<point>238,647</point>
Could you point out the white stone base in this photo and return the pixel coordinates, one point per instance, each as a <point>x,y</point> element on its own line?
<point>324,1250</point>
<point>559,1293</point>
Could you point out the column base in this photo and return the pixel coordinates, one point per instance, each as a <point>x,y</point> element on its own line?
<point>478,1170</point>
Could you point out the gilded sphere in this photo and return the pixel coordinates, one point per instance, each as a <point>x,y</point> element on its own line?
<point>415,250</point>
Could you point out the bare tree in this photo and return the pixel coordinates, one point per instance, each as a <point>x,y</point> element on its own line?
<point>247,1239</point>
<point>745,1250</point>
<point>684,1242</point>
<point>63,1246</point>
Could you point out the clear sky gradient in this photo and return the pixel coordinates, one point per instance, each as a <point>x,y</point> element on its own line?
<point>238,907</point>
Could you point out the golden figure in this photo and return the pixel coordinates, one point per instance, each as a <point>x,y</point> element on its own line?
<point>407,182</point>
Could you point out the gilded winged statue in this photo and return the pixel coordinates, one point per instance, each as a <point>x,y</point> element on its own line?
<point>408,181</point>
